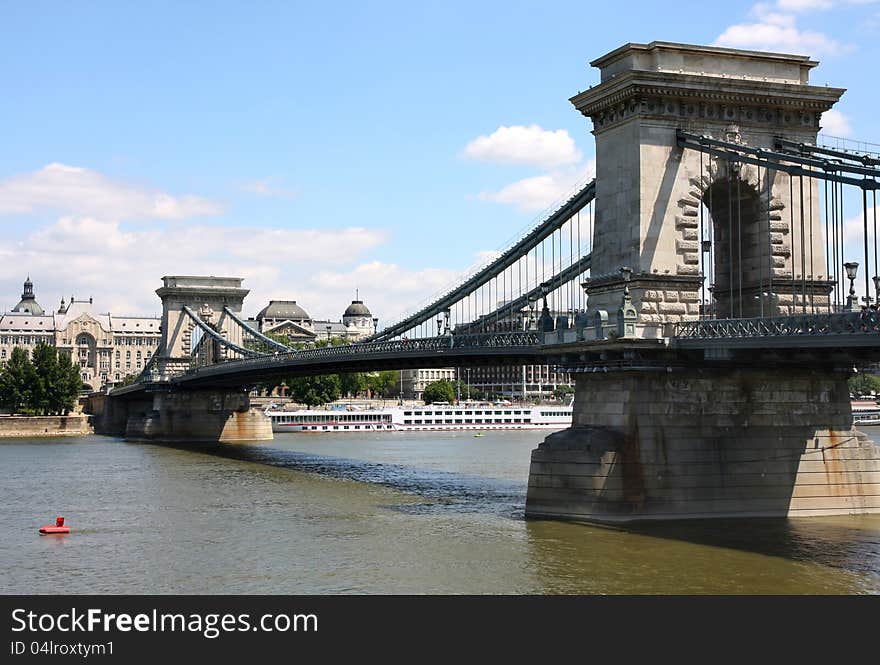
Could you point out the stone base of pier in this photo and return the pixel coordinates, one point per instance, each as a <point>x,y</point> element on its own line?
<point>203,416</point>
<point>706,443</point>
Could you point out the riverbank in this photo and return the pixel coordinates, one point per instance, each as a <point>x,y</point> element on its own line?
<point>29,426</point>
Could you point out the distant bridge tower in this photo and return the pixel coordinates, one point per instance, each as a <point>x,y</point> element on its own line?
<point>748,237</point>
<point>205,296</point>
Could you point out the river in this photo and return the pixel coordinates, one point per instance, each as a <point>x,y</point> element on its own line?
<point>373,513</point>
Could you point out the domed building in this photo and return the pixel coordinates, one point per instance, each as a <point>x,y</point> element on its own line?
<point>28,303</point>
<point>358,321</point>
<point>106,347</point>
<point>289,320</point>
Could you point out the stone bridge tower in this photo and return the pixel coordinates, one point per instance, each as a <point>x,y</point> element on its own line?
<point>730,432</point>
<point>205,296</point>
<point>649,191</point>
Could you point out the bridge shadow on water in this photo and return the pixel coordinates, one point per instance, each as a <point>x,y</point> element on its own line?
<point>845,542</point>
<point>443,491</point>
<point>849,543</point>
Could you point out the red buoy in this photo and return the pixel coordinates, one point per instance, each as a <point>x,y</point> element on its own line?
<point>58,528</point>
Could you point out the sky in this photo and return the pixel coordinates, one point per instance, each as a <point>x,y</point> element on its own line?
<point>318,148</point>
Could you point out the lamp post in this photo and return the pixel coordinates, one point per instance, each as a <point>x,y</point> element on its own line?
<point>329,328</point>
<point>439,325</point>
<point>852,269</point>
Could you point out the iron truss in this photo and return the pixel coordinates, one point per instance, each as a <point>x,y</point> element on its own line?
<point>793,158</point>
<point>506,260</point>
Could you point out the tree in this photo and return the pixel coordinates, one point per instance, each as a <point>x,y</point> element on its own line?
<point>68,385</point>
<point>863,384</point>
<point>314,390</point>
<point>439,391</point>
<point>57,381</point>
<point>563,391</point>
<point>127,380</point>
<point>470,392</point>
<point>352,383</point>
<point>385,383</point>
<point>17,381</point>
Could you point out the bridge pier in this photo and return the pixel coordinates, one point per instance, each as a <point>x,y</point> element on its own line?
<point>186,416</point>
<point>706,442</point>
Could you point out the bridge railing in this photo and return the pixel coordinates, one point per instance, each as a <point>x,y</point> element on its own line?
<point>507,340</point>
<point>864,322</point>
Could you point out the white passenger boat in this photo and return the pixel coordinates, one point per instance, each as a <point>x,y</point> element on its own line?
<point>422,418</point>
<point>865,413</point>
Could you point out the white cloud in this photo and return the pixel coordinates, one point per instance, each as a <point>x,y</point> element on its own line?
<point>774,31</point>
<point>80,191</point>
<point>835,123</point>
<point>539,192</point>
<point>270,187</point>
<point>804,5</point>
<point>809,5</point>
<point>388,289</point>
<point>524,145</point>
<point>122,267</point>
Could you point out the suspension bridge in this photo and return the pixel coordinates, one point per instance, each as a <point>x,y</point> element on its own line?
<point>704,290</point>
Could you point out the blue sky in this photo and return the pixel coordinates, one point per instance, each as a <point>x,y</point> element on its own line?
<point>313,148</point>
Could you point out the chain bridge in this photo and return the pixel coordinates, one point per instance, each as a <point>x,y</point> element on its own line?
<point>711,290</point>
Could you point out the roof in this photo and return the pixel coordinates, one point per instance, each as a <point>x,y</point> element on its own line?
<point>29,306</point>
<point>27,321</point>
<point>357,308</point>
<point>283,309</point>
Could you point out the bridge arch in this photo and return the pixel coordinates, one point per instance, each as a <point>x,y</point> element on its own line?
<point>738,256</point>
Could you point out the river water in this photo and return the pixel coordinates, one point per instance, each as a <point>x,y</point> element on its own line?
<point>373,513</point>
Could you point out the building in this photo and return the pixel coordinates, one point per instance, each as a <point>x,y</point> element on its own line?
<point>520,381</point>
<point>106,347</point>
<point>291,322</point>
<point>413,381</point>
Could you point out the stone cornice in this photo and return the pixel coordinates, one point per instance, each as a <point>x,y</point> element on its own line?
<point>614,282</point>
<point>643,84</point>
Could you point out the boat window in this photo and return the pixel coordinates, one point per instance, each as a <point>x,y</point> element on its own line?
<point>458,420</point>
<point>407,422</point>
<point>417,422</point>
<point>499,413</point>
<point>449,421</point>
<point>458,413</point>
<point>527,420</point>
<point>407,413</point>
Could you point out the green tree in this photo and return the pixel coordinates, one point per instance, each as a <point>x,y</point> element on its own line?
<point>67,387</point>
<point>57,382</point>
<point>385,383</point>
<point>314,390</point>
<point>127,380</point>
<point>439,391</point>
<point>17,381</point>
<point>352,383</point>
<point>469,392</point>
<point>563,391</point>
<point>862,384</point>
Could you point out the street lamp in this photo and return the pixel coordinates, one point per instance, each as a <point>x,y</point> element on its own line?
<point>439,325</point>
<point>852,269</point>
<point>328,333</point>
